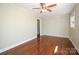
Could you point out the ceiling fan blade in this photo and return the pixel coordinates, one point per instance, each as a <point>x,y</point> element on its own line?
<point>36,8</point>
<point>49,10</point>
<point>42,4</point>
<point>52,5</point>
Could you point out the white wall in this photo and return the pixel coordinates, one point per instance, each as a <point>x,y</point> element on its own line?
<point>74,32</point>
<point>56,25</point>
<point>17,25</point>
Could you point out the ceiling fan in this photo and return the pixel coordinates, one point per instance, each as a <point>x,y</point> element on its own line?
<point>45,8</point>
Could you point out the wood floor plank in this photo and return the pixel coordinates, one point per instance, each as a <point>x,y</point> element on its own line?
<point>45,45</point>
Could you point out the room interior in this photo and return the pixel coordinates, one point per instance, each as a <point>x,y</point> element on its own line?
<point>28,31</point>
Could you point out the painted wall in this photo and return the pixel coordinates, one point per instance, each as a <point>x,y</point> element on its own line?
<point>56,25</point>
<point>16,25</point>
<point>74,32</point>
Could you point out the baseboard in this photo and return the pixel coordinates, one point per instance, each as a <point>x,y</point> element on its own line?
<point>12,46</point>
<point>57,36</point>
<point>74,45</point>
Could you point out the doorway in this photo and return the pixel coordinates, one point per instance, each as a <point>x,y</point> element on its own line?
<point>38,28</point>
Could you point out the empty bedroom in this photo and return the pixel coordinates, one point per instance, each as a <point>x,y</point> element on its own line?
<point>39,29</point>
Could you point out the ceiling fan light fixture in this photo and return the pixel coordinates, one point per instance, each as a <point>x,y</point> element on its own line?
<point>44,10</point>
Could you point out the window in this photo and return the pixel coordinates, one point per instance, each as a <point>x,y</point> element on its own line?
<point>72,21</point>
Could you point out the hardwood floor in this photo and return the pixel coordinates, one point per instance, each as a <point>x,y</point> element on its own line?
<point>45,45</point>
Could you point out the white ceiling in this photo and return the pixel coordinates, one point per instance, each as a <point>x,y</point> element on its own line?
<point>60,9</point>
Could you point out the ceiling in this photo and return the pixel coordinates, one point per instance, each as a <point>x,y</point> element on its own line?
<point>60,9</point>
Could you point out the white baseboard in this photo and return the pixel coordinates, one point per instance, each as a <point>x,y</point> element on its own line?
<point>12,46</point>
<point>57,35</point>
<point>74,45</point>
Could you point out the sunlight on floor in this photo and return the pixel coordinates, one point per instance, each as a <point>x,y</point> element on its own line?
<point>56,49</point>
